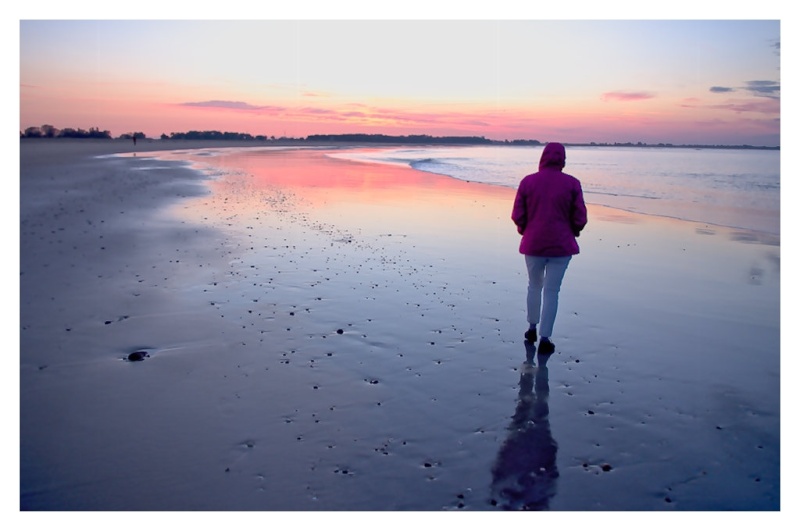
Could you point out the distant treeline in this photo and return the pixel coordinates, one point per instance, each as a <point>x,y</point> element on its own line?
<point>48,131</point>
<point>407,139</point>
<point>214,135</point>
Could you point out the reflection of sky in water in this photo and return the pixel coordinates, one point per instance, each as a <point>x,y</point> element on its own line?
<point>378,201</point>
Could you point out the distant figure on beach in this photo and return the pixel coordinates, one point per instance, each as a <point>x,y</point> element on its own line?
<point>134,140</point>
<point>549,213</point>
<point>525,473</point>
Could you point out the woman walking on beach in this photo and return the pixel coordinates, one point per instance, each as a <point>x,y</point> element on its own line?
<point>549,213</point>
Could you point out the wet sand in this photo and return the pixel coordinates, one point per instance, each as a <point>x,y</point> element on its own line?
<point>323,335</point>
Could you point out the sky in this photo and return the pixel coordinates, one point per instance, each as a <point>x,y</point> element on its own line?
<point>678,81</point>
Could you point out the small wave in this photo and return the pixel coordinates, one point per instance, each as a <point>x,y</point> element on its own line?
<point>619,194</point>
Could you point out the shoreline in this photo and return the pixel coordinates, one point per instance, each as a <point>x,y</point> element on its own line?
<point>237,292</point>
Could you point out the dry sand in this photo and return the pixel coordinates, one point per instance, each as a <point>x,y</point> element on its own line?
<point>323,335</point>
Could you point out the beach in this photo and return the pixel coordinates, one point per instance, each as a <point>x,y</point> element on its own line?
<point>319,334</point>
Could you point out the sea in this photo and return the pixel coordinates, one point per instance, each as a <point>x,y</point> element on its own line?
<point>738,188</point>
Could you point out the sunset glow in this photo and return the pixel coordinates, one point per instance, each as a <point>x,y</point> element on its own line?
<point>678,81</point>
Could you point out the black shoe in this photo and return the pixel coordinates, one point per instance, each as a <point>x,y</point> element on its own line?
<point>530,335</point>
<point>546,347</point>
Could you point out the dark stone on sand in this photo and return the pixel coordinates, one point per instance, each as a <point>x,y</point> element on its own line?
<point>606,467</point>
<point>340,331</point>
<point>139,355</point>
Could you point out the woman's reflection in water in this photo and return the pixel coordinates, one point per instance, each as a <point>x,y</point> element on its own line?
<point>524,474</point>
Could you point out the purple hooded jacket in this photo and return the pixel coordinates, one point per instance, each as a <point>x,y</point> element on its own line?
<point>549,210</point>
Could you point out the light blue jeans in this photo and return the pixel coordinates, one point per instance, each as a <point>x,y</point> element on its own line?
<point>544,283</point>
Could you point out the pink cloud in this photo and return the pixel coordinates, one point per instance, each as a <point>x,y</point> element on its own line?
<point>316,110</point>
<point>220,104</point>
<point>626,96</point>
<point>233,106</point>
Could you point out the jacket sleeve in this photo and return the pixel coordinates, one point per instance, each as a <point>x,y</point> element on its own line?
<point>519,215</point>
<point>578,217</point>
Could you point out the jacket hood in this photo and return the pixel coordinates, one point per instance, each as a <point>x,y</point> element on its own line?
<point>553,156</point>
